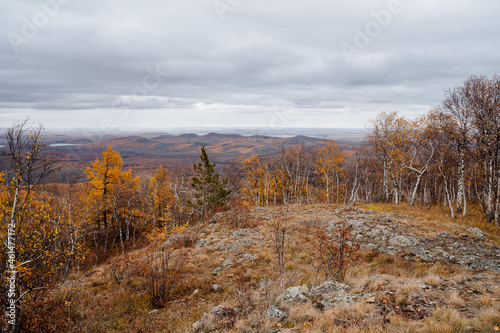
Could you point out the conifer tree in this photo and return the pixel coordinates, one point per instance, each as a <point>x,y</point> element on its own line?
<point>104,175</point>
<point>211,191</point>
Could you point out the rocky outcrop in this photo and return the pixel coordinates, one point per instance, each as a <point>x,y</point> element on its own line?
<point>396,234</point>
<point>327,295</point>
<point>220,317</point>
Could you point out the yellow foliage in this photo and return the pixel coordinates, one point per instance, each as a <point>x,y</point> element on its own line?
<point>161,195</point>
<point>110,187</point>
<point>375,207</point>
<point>160,235</point>
<point>329,167</point>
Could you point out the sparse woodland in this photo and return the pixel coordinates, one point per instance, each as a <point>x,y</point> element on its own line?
<point>137,240</point>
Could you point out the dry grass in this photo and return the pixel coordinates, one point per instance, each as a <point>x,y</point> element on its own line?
<point>447,321</point>
<point>487,319</point>
<point>112,298</point>
<point>432,280</point>
<point>455,299</point>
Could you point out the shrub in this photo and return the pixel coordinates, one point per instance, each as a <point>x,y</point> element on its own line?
<point>278,236</point>
<point>164,273</point>
<point>334,251</point>
<point>239,216</point>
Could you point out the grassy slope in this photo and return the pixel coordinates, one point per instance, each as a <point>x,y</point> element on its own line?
<point>112,297</point>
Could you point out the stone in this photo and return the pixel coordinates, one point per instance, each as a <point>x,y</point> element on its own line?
<point>171,240</point>
<point>388,250</point>
<point>485,265</point>
<point>217,287</point>
<point>380,231</point>
<point>331,300</point>
<point>244,233</point>
<point>356,224</point>
<point>369,246</point>
<point>246,257</point>
<point>401,240</point>
<point>201,243</point>
<point>419,251</point>
<point>370,300</point>
<point>477,232</point>
<point>227,263</point>
<point>297,294</point>
<point>198,326</point>
<point>276,314</point>
<point>218,313</point>
<point>222,311</point>
<point>428,258</point>
<point>328,287</point>
<point>443,234</point>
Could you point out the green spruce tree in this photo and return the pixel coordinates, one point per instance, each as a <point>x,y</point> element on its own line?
<point>211,191</point>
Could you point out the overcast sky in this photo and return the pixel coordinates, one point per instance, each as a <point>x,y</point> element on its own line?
<point>237,63</point>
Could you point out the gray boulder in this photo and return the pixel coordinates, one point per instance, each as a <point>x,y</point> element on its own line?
<point>297,294</point>
<point>276,314</point>
<point>477,232</point>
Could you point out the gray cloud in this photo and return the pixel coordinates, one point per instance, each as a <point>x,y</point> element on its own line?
<point>124,61</point>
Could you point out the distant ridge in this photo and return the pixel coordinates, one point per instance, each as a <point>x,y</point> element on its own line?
<point>187,136</point>
<point>163,137</point>
<point>213,135</point>
<point>300,139</point>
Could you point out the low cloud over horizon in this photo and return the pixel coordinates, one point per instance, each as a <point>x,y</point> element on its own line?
<point>237,63</point>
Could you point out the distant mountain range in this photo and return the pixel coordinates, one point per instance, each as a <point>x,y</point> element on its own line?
<point>144,151</point>
<point>222,147</point>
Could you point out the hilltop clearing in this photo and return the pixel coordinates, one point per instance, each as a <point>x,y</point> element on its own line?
<point>411,275</point>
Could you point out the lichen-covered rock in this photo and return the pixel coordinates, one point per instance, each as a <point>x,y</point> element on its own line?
<point>329,294</point>
<point>485,265</point>
<point>419,251</point>
<point>477,232</point>
<point>246,257</point>
<point>356,223</point>
<point>227,263</point>
<point>401,240</point>
<point>296,294</point>
<point>428,258</point>
<point>369,246</point>
<point>380,231</point>
<point>329,287</point>
<point>331,300</point>
<point>276,314</point>
<point>245,233</point>
<point>201,243</point>
<point>220,315</point>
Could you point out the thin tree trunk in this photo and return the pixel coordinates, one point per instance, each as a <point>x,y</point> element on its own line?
<point>461,176</point>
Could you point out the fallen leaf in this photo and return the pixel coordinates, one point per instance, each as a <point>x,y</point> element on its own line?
<point>496,328</point>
